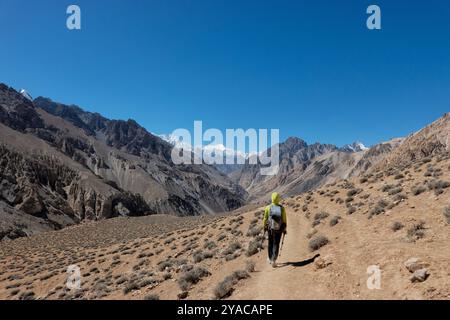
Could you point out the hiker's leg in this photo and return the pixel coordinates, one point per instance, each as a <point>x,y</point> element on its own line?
<point>276,245</point>
<point>270,246</point>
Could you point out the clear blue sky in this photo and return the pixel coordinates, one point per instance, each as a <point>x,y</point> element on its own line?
<point>310,68</point>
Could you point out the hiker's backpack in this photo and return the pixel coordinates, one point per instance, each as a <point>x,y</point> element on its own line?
<point>275,220</point>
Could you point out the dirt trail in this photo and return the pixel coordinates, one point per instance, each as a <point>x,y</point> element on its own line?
<point>293,278</point>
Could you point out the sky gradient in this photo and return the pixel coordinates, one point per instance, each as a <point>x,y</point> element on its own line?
<point>310,68</point>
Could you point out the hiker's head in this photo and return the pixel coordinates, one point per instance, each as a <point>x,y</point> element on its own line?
<point>276,198</point>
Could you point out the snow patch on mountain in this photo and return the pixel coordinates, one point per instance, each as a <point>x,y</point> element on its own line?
<point>26,95</point>
<point>356,146</point>
<point>209,150</point>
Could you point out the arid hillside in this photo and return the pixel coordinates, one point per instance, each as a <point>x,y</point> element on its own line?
<point>335,233</point>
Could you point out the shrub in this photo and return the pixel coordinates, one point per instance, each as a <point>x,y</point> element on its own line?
<point>349,199</point>
<point>400,197</point>
<point>225,288</point>
<point>240,274</point>
<point>418,190</point>
<point>210,245</point>
<point>236,233</point>
<point>253,248</point>
<point>254,231</point>
<point>397,226</point>
<point>318,217</point>
<point>192,277</point>
<point>199,256</point>
<point>151,297</point>
<point>321,215</point>
<point>232,256</point>
<point>250,266</point>
<point>232,248</point>
<point>162,265</point>
<point>165,264</point>
<point>387,187</point>
<point>352,192</point>
<point>315,223</point>
<point>146,282</point>
<point>167,276</point>
<point>447,214</point>
<point>351,210</point>
<point>438,186</point>
<point>130,287</point>
<point>395,191</point>
<point>169,241</point>
<point>399,176</point>
<point>416,231</point>
<point>27,295</point>
<point>379,208</point>
<point>14,292</point>
<point>121,280</point>
<point>318,242</point>
<point>334,221</point>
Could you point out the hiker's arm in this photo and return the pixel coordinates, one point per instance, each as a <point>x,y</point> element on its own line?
<point>266,216</point>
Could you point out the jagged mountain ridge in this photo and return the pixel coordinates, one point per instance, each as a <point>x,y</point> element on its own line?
<point>116,168</point>
<point>295,157</point>
<point>305,167</point>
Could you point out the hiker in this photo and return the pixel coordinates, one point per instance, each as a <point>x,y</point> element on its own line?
<point>275,223</point>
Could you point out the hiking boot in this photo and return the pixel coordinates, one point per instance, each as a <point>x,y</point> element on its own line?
<point>274,264</point>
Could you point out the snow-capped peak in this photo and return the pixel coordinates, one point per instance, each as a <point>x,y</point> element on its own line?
<point>208,149</point>
<point>355,147</point>
<point>26,95</point>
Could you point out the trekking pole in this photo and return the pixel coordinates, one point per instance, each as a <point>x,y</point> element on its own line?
<point>281,247</point>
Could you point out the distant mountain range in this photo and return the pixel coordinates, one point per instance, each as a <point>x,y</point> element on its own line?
<point>60,165</point>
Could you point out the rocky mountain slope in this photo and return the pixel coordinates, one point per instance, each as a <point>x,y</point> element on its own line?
<point>61,165</point>
<point>295,157</point>
<point>305,167</point>
<point>338,234</point>
<point>431,140</point>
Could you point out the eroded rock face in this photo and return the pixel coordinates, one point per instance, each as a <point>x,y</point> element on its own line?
<point>37,186</point>
<point>63,165</point>
<point>31,203</point>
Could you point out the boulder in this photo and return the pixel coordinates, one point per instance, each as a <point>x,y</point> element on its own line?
<point>323,262</point>
<point>183,295</point>
<point>414,264</point>
<point>419,275</point>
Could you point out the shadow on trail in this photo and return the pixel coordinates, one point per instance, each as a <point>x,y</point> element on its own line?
<point>299,263</point>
